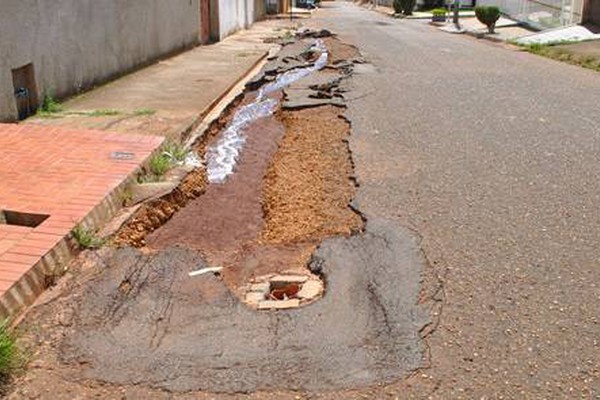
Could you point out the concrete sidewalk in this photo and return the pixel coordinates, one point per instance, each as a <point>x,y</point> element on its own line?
<point>72,167</point>
<point>171,97</point>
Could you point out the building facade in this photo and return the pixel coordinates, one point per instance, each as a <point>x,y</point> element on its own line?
<point>63,47</point>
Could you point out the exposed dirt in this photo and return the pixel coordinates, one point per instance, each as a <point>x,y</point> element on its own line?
<point>340,51</point>
<point>308,185</point>
<point>156,213</point>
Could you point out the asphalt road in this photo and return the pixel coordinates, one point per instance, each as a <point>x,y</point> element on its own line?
<point>491,155</point>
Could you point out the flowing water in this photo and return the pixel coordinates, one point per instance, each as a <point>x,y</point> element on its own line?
<point>222,156</point>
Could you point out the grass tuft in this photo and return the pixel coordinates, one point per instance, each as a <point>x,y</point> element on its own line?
<point>8,351</point>
<point>175,151</point>
<point>86,238</point>
<point>159,164</point>
<point>50,105</point>
<point>144,111</point>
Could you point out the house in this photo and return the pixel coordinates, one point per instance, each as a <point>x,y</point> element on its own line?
<point>65,47</point>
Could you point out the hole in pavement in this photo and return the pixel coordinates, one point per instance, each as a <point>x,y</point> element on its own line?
<point>18,218</point>
<point>283,291</point>
<point>277,183</point>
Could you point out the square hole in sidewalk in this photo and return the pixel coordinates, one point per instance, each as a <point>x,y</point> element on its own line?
<point>8,217</point>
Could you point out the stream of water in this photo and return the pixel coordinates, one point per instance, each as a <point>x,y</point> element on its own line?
<point>222,155</point>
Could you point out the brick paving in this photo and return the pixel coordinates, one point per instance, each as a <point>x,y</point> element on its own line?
<point>63,173</point>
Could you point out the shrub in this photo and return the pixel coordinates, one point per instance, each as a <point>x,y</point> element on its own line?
<point>488,15</point>
<point>405,7</point>
<point>438,12</point>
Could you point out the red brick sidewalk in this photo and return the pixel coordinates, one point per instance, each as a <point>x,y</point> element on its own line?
<point>65,174</point>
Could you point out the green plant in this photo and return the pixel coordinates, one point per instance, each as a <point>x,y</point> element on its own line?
<point>144,111</point>
<point>9,353</point>
<point>175,151</point>
<point>439,12</point>
<point>102,113</point>
<point>50,105</point>
<point>86,238</point>
<point>159,164</point>
<point>488,15</point>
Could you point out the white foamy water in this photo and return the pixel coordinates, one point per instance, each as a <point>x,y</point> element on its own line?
<point>222,156</point>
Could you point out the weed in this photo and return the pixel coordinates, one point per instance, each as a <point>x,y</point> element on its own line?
<point>86,238</point>
<point>159,164</point>
<point>144,111</point>
<point>50,105</point>
<point>175,151</point>
<point>102,113</point>
<point>9,355</point>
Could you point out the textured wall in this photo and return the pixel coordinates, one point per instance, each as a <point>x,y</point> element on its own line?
<point>238,14</point>
<point>74,44</point>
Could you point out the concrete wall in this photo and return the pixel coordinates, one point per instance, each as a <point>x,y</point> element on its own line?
<point>74,44</point>
<point>238,14</point>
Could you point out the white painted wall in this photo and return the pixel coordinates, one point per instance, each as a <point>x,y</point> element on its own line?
<point>75,44</point>
<point>238,14</point>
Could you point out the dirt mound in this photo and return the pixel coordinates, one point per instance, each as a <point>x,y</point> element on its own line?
<point>308,186</point>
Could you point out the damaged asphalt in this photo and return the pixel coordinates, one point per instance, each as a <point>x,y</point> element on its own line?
<point>149,323</point>
<point>139,320</point>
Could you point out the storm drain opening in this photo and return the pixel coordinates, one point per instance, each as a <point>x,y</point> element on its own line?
<point>283,291</point>
<point>18,218</point>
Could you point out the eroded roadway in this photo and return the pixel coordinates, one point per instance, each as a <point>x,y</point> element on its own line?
<point>492,156</point>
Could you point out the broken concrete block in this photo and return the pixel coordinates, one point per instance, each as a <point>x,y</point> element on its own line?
<point>262,287</point>
<point>310,290</point>
<point>254,298</point>
<point>280,305</point>
<point>150,190</point>
<point>289,279</point>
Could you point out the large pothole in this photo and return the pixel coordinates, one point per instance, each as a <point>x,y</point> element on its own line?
<point>281,181</point>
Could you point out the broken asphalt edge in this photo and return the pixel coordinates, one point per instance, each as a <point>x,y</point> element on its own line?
<point>14,303</point>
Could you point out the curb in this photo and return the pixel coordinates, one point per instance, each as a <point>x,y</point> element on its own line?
<point>483,35</point>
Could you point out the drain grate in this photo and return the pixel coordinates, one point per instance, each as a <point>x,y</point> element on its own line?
<point>18,218</point>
